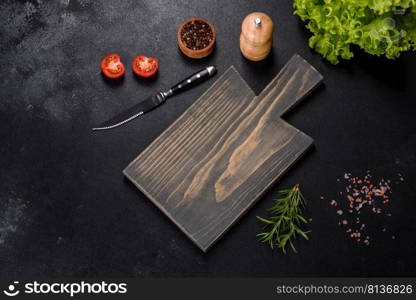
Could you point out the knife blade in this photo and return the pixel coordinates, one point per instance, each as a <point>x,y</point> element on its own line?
<point>157,99</point>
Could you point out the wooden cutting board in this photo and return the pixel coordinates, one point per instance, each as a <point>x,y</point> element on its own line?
<point>212,164</point>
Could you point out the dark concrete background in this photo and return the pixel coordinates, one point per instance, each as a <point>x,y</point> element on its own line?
<point>65,208</point>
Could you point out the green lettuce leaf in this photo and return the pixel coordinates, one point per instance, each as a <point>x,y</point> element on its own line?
<point>379,27</point>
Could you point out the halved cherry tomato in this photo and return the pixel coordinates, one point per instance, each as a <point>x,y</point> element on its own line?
<point>145,66</point>
<point>112,67</point>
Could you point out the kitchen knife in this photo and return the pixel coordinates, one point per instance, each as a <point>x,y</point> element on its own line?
<point>157,99</point>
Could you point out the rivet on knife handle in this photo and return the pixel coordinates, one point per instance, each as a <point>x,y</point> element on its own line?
<point>193,80</point>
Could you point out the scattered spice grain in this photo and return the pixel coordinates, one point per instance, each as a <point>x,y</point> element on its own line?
<point>367,195</point>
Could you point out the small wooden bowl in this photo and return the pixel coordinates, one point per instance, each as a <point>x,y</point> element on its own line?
<point>197,53</point>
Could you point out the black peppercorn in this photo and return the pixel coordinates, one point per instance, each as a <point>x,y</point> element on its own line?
<point>197,35</point>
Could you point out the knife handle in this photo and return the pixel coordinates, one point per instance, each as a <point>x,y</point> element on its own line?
<point>192,80</point>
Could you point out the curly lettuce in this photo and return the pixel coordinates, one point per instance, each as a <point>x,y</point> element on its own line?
<point>379,27</point>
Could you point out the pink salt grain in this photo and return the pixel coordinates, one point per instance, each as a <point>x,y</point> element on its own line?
<point>362,194</point>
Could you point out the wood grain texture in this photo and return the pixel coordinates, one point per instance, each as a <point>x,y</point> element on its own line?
<point>225,151</point>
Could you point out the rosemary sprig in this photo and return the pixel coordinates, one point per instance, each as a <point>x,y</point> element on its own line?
<point>286,220</point>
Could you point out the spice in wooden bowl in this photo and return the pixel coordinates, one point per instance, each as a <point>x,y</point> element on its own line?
<point>196,38</point>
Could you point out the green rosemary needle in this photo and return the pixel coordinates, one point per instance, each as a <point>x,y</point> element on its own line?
<point>286,220</point>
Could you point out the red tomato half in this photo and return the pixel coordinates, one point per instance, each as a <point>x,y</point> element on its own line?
<point>112,67</point>
<point>145,66</point>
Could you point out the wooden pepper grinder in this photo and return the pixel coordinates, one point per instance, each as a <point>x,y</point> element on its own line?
<point>256,36</point>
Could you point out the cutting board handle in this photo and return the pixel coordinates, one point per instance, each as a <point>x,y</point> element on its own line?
<point>293,83</point>
<point>258,138</point>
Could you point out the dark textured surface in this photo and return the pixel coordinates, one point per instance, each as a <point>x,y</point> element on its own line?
<point>66,209</point>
